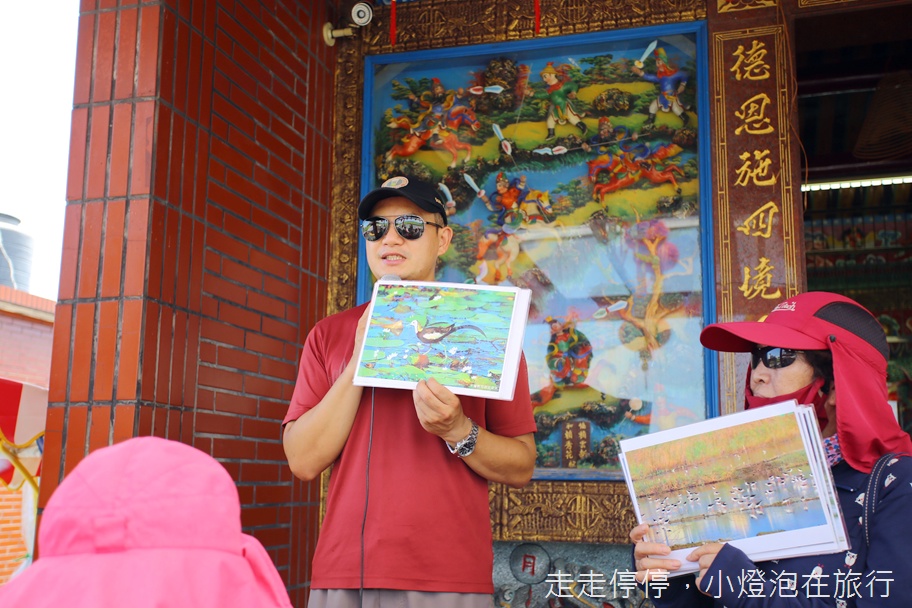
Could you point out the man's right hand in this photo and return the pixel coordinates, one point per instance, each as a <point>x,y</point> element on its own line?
<point>359,335</point>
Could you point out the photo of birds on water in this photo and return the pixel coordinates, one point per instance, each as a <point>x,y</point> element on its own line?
<point>748,477</point>
<point>459,334</point>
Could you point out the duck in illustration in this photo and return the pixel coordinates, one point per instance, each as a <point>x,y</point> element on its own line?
<point>433,333</point>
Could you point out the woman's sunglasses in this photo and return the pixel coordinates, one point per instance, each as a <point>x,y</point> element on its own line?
<point>409,227</point>
<point>773,357</point>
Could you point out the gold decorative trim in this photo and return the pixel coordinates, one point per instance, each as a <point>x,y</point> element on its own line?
<point>728,6</point>
<point>589,511</point>
<point>349,91</point>
<point>812,3</point>
<point>576,511</point>
<point>722,206</point>
<point>731,379</point>
<point>430,24</point>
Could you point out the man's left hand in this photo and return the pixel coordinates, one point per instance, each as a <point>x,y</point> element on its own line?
<point>440,411</point>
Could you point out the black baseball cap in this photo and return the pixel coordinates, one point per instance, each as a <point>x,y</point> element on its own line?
<point>419,192</point>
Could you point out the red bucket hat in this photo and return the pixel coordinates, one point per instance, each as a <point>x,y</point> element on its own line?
<point>820,320</point>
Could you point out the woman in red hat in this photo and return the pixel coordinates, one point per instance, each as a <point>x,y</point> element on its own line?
<point>828,351</point>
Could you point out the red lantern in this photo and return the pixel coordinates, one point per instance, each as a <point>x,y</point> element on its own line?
<point>393,23</point>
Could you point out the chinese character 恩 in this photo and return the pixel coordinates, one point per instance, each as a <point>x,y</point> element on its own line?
<point>753,115</point>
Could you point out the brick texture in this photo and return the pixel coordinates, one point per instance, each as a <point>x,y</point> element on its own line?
<point>26,336</point>
<point>26,333</point>
<point>200,143</point>
<point>12,546</point>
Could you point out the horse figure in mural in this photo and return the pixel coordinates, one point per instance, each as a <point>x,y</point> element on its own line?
<point>428,132</point>
<point>630,165</point>
<point>461,116</point>
<point>659,176</point>
<point>622,172</point>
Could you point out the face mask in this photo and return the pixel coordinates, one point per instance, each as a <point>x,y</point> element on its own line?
<point>809,395</point>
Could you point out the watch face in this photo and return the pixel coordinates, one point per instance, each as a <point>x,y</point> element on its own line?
<point>467,445</point>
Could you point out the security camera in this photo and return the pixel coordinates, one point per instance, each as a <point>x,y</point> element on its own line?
<point>362,13</point>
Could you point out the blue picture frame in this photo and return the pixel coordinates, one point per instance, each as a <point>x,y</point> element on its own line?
<point>577,167</point>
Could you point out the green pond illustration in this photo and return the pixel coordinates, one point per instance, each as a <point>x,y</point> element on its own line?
<point>456,335</point>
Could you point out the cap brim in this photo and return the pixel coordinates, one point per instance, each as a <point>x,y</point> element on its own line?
<point>740,337</point>
<point>375,196</point>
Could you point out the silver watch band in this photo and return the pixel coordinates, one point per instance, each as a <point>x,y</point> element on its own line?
<point>465,447</point>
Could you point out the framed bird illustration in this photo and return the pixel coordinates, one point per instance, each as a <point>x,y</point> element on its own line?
<point>466,336</point>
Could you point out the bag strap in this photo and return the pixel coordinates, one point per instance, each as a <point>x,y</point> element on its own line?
<point>872,492</point>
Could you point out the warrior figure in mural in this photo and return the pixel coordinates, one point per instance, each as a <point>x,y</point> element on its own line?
<point>672,83</point>
<point>435,101</point>
<point>440,115</point>
<point>607,136</point>
<point>561,93</point>
<point>505,201</point>
<point>498,243</point>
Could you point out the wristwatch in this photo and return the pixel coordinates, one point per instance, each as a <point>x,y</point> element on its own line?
<point>465,446</point>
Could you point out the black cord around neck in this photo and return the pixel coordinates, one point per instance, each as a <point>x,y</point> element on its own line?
<point>370,441</point>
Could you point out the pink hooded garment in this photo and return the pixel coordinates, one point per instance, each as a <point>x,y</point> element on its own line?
<point>146,523</point>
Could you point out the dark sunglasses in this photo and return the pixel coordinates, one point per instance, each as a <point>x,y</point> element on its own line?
<point>409,227</point>
<point>773,357</point>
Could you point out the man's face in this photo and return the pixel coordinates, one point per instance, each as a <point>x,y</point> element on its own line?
<point>409,260</point>
<point>549,78</point>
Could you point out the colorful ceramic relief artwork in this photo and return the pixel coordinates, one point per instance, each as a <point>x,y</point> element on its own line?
<point>572,167</point>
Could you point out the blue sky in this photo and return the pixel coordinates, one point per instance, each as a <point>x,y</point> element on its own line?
<point>37,65</point>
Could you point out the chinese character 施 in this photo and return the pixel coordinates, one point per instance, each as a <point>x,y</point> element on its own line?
<point>747,172</point>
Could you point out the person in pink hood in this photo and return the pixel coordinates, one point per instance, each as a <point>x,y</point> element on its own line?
<point>146,523</point>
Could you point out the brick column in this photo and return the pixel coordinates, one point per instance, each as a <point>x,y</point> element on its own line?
<point>195,243</point>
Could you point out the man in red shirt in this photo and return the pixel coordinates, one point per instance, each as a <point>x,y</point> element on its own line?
<point>407,519</point>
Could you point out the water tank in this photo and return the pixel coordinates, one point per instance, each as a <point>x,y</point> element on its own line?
<point>16,248</point>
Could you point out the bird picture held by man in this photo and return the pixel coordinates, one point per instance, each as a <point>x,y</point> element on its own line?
<point>459,334</point>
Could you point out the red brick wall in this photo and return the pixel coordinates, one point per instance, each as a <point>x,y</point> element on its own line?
<point>26,328</point>
<point>12,546</point>
<point>196,242</point>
